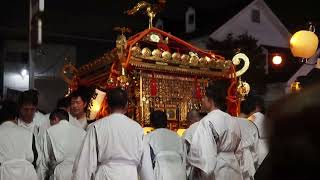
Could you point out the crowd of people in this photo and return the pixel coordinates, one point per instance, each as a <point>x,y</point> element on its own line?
<point>64,145</point>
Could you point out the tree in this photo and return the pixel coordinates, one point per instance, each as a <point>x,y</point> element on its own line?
<point>246,44</point>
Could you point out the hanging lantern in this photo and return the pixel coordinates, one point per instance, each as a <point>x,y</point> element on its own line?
<point>95,104</point>
<point>198,94</point>
<point>304,44</point>
<point>153,86</point>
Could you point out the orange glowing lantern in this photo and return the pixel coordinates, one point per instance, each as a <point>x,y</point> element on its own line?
<point>304,44</point>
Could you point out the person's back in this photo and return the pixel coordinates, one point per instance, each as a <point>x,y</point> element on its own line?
<point>169,154</point>
<point>263,148</point>
<point>120,139</point>
<point>66,140</point>
<point>226,133</point>
<point>114,147</point>
<point>247,151</point>
<point>253,108</point>
<point>216,138</point>
<point>16,155</point>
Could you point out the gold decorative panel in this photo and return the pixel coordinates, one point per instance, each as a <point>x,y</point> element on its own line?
<point>175,96</point>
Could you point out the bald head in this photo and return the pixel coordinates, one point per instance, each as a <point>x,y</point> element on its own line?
<point>193,116</point>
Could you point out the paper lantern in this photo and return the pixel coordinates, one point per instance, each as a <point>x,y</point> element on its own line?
<point>95,104</point>
<point>304,44</point>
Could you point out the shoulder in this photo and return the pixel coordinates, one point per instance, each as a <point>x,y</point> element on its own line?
<point>115,119</point>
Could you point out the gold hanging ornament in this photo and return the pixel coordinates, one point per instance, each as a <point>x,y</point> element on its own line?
<point>243,88</point>
<point>150,9</point>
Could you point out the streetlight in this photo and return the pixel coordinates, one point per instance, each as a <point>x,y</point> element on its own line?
<point>277,60</point>
<point>24,72</point>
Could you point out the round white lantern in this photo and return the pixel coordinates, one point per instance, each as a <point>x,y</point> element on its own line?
<point>304,44</point>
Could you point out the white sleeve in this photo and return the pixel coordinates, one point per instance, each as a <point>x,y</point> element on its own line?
<point>203,148</point>
<point>85,164</point>
<point>145,167</point>
<point>45,156</point>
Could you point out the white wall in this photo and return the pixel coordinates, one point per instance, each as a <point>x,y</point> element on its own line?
<point>267,32</point>
<point>48,65</point>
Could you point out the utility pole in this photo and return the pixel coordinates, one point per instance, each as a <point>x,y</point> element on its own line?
<point>36,8</point>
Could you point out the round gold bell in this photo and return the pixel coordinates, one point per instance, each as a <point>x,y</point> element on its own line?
<point>176,56</point>
<point>194,60</point>
<point>146,52</point>
<point>202,61</point>
<point>166,55</point>
<point>135,50</point>
<point>156,53</point>
<point>185,58</point>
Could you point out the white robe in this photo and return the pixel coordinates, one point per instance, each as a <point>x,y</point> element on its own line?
<point>32,127</point>
<point>61,145</point>
<point>35,128</point>
<point>16,155</point>
<point>40,118</point>
<point>114,149</point>
<point>187,136</point>
<point>213,147</point>
<point>81,123</point>
<point>169,154</point>
<point>263,147</point>
<point>247,151</point>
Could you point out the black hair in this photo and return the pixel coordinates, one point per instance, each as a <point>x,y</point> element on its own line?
<point>217,91</point>
<point>28,97</point>
<point>117,98</point>
<point>59,113</point>
<point>158,119</point>
<point>250,104</point>
<point>83,92</point>
<point>9,111</point>
<point>64,102</point>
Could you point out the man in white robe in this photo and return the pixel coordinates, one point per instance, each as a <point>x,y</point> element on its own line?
<point>247,151</point>
<point>253,107</point>
<point>114,147</point>
<point>167,150</point>
<point>193,117</point>
<point>64,104</point>
<point>17,147</point>
<point>216,139</point>
<point>78,107</point>
<point>61,145</point>
<point>28,102</point>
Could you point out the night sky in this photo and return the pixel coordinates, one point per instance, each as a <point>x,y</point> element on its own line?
<point>92,21</point>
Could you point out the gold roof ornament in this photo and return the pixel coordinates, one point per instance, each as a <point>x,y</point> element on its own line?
<point>151,9</point>
<point>243,88</point>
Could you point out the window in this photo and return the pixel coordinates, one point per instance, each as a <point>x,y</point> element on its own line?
<point>191,19</point>
<point>255,16</point>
